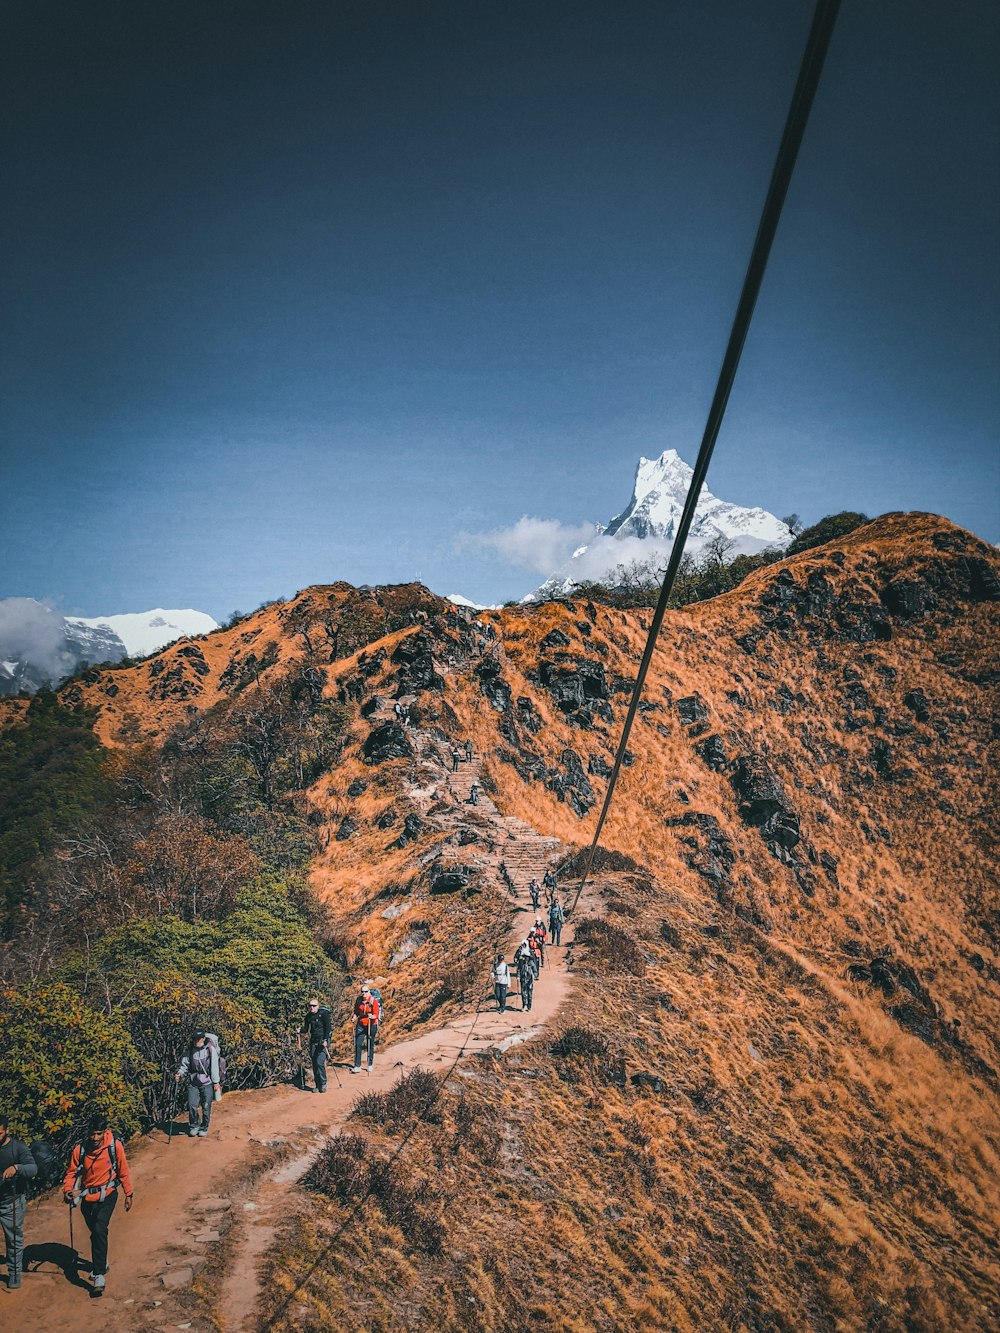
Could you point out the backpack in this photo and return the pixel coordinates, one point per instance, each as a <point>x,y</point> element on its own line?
<point>112,1153</point>
<point>376,994</point>
<point>213,1040</point>
<point>47,1161</point>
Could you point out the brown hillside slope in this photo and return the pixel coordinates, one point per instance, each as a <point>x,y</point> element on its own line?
<point>815,994</point>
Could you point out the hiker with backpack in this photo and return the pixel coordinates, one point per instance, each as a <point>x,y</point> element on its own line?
<point>525,975</point>
<point>534,888</point>
<point>557,918</point>
<point>17,1167</point>
<point>97,1169</point>
<point>501,982</point>
<point>202,1068</point>
<point>540,935</point>
<point>455,757</point>
<point>551,884</point>
<point>317,1026</point>
<point>536,952</point>
<point>468,751</point>
<point>474,795</point>
<point>367,1012</point>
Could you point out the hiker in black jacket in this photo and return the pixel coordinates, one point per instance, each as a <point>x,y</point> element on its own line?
<point>318,1027</point>
<point>17,1167</point>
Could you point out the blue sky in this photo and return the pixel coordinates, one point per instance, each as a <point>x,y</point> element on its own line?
<point>306,292</point>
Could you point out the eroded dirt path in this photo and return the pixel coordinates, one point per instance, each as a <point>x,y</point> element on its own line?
<point>221,1200</point>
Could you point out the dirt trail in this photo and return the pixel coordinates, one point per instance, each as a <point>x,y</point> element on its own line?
<point>190,1190</point>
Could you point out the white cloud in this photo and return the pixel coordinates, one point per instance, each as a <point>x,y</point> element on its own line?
<point>540,544</point>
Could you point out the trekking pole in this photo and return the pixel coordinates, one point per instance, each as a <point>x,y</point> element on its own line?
<point>173,1112</point>
<point>331,1065</point>
<point>72,1205</point>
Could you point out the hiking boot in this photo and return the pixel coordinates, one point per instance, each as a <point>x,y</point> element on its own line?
<point>356,1069</point>
<point>370,1068</point>
<point>203,1131</point>
<point>98,1281</point>
<point>192,1132</point>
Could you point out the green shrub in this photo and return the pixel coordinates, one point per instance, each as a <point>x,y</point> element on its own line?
<point>163,1012</point>
<point>262,951</point>
<point>60,1060</point>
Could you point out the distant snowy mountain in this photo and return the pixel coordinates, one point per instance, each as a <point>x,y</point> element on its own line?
<point>646,528</point>
<point>143,632</point>
<point>38,646</point>
<point>457,599</point>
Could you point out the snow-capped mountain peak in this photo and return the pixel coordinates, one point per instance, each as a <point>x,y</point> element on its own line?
<point>39,646</point>
<point>143,632</point>
<point>646,527</point>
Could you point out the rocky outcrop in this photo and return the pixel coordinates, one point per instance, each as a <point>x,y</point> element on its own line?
<point>387,741</point>
<point>491,682</point>
<point>414,656</point>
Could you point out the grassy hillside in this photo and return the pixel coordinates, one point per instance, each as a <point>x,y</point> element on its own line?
<point>780,1106</point>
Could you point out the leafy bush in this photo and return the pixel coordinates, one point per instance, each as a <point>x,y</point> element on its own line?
<point>262,951</point>
<point>162,1014</point>
<point>61,1060</point>
<point>414,1097</point>
<point>611,946</point>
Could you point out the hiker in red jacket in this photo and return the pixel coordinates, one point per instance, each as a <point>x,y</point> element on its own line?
<point>367,1012</point>
<point>540,935</point>
<point>97,1167</point>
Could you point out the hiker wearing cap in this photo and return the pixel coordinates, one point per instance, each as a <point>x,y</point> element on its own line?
<point>317,1027</point>
<point>367,1012</point>
<point>501,982</point>
<point>17,1167</point>
<point>97,1168</point>
<point>201,1067</point>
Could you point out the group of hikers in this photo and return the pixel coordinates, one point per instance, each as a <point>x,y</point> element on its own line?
<point>98,1170</point>
<point>529,956</point>
<point>457,752</point>
<point>317,1029</point>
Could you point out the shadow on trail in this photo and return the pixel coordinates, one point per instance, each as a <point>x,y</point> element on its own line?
<point>52,1252</point>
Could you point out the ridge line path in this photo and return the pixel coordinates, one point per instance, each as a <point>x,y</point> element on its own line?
<point>200,1201</point>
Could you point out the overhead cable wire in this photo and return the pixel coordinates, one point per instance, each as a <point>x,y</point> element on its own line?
<point>817,45</point>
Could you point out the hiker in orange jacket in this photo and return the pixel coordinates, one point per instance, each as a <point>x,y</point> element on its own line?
<point>367,1012</point>
<point>97,1168</point>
